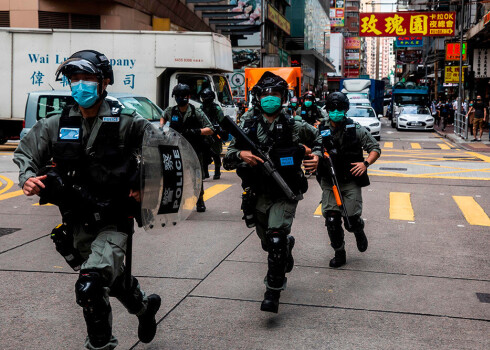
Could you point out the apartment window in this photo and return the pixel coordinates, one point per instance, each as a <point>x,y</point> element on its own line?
<point>62,20</point>
<point>4,19</point>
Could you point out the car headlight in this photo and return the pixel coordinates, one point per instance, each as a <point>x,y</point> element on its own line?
<point>429,119</point>
<point>374,124</point>
<point>403,119</point>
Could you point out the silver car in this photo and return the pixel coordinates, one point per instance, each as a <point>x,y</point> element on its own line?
<point>412,117</point>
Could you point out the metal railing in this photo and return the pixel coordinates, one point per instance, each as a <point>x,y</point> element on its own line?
<point>461,125</point>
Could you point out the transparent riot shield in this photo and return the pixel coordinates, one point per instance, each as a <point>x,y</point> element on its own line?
<point>170,178</point>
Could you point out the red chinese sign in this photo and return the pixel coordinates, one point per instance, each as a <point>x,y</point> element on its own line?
<point>453,51</point>
<point>407,23</point>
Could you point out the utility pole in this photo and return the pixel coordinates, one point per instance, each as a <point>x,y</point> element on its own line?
<point>459,116</point>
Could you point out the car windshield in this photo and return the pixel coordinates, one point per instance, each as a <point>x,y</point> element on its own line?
<point>360,113</point>
<point>52,105</point>
<point>143,107</point>
<point>415,110</point>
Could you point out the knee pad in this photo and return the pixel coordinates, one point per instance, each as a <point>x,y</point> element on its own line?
<point>356,224</point>
<point>277,259</point>
<point>89,288</point>
<point>333,222</point>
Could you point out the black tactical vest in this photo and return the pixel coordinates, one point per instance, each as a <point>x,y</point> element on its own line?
<point>178,124</point>
<point>310,115</point>
<point>343,155</point>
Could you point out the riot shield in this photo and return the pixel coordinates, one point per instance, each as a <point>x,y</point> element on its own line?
<point>170,178</point>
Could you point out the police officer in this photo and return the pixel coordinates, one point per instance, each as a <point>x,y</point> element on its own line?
<point>292,106</point>
<point>345,141</point>
<point>215,116</point>
<point>309,111</point>
<point>271,129</point>
<point>192,123</point>
<point>94,147</point>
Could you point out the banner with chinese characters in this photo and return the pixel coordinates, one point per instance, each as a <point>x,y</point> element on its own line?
<point>409,41</point>
<point>407,23</point>
<point>409,56</point>
<point>453,51</point>
<point>481,63</point>
<point>353,42</point>
<point>451,74</point>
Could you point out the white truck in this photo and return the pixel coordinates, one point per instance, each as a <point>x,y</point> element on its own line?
<point>145,63</point>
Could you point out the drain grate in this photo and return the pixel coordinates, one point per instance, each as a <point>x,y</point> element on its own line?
<point>398,169</point>
<point>483,297</point>
<point>7,230</point>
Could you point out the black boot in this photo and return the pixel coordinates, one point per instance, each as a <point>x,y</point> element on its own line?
<point>147,324</point>
<point>361,240</point>
<point>339,258</point>
<point>200,207</point>
<point>290,261</point>
<point>271,301</point>
<point>217,175</point>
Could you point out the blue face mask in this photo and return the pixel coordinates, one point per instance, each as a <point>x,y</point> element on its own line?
<point>336,115</point>
<point>84,93</point>
<point>270,104</point>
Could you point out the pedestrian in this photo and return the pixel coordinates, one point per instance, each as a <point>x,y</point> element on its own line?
<point>93,180</point>
<point>470,116</point>
<point>435,112</point>
<point>289,143</point>
<point>192,123</point>
<point>309,111</point>
<point>444,113</point>
<point>215,115</point>
<point>345,141</point>
<point>480,117</point>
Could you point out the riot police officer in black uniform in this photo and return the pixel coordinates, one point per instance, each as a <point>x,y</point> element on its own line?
<point>192,123</point>
<point>93,179</point>
<point>344,140</point>
<point>215,147</point>
<point>309,111</point>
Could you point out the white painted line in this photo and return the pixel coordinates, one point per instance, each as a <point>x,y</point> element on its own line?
<point>411,222</point>
<point>460,225</point>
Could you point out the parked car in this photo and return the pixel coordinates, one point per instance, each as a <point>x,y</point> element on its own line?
<point>414,118</point>
<point>366,116</point>
<point>44,104</point>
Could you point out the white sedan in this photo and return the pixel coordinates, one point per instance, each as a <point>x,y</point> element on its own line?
<point>366,116</point>
<point>414,118</point>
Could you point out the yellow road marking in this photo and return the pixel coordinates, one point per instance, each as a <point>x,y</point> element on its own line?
<point>400,206</point>
<point>419,176</point>
<point>214,190</point>
<point>8,185</point>
<point>318,210</point>
<point>473,213</point>
<point>443,146</point>
<point>11,195</point>
<point>48,204</point>
<point>486,159</point>
<point>415,145</point>
<point>388,145</point>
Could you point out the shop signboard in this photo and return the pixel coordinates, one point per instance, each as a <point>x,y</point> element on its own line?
<point>337,13</point>
<point>409,41</point>
<point>353,42</point>
<point>453,51</point>
<point>451,74</point>
<point>409,56</point>
<point>279,20</point>
<point>382,24</point>
<point>481,61</point>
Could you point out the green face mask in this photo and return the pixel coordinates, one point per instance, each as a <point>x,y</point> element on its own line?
<point>293,104</point>
<point>336,115</point>
<point>308,103</point>
<point>270,104</point>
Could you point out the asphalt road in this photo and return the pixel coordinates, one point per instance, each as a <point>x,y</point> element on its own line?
<point>423,283</point>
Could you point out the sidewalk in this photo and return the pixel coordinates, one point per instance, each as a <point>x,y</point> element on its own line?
<point>478,146</point>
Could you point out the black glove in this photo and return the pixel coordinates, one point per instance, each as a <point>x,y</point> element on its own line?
<point>192,133</point>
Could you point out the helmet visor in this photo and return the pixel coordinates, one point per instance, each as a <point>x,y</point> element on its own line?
<point>74,66</point>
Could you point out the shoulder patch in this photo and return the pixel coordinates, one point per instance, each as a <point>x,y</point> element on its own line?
<point>350,126</point>
<point>110,119</point>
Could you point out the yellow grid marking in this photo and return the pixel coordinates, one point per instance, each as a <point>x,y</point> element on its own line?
<point>415,145</point>
<point>8,184</point>
<point>443,146</point>
<point>401,206</point>
<point>473,213</point>
<point>11,195</point>
<point>388,145</point>
<point>214,190</point>
<point>486,159</point>
<point>318,210</point>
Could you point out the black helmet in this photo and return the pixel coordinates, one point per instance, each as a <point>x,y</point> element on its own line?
<point>207,95</point>
<point>86,61</point>
<point>337,101</point>
<point>181,90</point>
<point>272,82</point>
<point>309,95</point>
